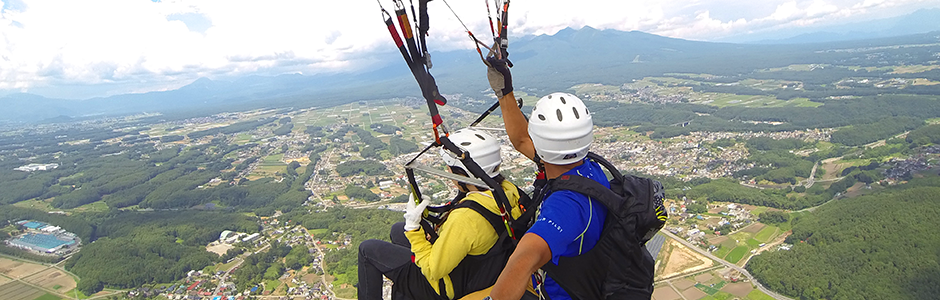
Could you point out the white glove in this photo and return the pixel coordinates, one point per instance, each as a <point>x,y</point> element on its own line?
<point>413,213</point>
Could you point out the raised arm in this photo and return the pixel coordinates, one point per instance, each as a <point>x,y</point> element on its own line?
<point>517,127</point>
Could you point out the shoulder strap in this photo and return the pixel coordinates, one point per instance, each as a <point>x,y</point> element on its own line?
<point>607,165</point>
<point>495,220</point>
<point>524,199</point>
<point>590,188</point>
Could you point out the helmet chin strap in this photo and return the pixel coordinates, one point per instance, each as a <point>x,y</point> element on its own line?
<point>463,187</point>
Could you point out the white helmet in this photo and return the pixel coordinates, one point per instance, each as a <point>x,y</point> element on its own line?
<point>561,129</point>
<point>483,148</point>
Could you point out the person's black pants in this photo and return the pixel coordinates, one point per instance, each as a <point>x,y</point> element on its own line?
<point>397,235</point>
<point>377,258</point>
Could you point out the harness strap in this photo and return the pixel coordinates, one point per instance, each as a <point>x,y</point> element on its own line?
<point>589,188</point>
<point>495,220</point>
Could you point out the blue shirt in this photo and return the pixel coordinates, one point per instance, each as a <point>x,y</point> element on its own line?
<point>570,223</point>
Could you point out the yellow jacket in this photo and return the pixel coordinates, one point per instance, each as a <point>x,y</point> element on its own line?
<point>464,232</point>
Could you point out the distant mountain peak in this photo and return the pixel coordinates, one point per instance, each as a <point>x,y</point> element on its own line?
<point>202,83</point>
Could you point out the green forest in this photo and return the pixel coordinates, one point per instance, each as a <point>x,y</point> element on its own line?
<point>161,179</point>
<point>880,246</point>
<point>270,265</point>
<point>360,224</point>
<point>367,167</point>
<point>167,244</point>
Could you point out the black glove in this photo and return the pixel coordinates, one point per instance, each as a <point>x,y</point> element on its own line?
<point>497,72</point>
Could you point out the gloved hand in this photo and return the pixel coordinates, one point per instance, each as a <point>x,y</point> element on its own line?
<point>413,213</point>
<point>497,72</point>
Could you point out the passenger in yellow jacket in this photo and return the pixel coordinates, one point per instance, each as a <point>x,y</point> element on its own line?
<point>468,254</point>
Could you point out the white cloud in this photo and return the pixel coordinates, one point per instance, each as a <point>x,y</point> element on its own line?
<point>166,44</point>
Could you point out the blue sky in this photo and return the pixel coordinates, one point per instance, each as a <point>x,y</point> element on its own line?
<point>57,47</point>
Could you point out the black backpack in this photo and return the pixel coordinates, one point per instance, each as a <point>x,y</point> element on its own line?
<point>619,266</point>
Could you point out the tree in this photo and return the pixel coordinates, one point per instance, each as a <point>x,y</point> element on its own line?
<point>292,168</point>
<point>89,286</point>
<point>774,217</point>
<point>403,198</point>
<point>274,271</point>
<point>868,177</point>
<point>360,193</point>
<point>354,167</point>
<point>698,207</point>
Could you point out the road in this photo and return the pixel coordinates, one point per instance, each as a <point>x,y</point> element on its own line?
<point>241,259</point>
<point>728,264</point>
<point>320,254</point>
<point>812,175</point>
<point>324,162</point>
<point>222,278</point>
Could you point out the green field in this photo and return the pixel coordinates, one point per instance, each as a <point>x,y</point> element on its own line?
<point>720,296</point>
<point>766,233</point>
<point>723,250</point>
<point>759,210</point>
<point>225,267</point>
<point>725,100</point>
<point>271,285</point>
<point>912,69</point>
<point>99,206</point>
<point>273,160</point>
<point>753,243</point>
<point>318,231</point>
<point>35,204</point>
<point>242,138</point>
<point>758,295</point>
<point>270,165</point>
<point>346,293</point>
<point>737,254</point>
<point>707,289</point>
<point>791,68</point>
<point>48,296</point>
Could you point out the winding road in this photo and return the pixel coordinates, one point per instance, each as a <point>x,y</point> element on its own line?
<point>322,262</point>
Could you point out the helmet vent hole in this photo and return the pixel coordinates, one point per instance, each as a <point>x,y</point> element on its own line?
<point>576,115</point>
<point>542,117</point>
<point>465,144</point>
<point>481,137</point>
<point>563,100</point>
<point>558,113</point>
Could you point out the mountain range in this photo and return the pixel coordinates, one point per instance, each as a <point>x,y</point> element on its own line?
<point>920,21</point>
<point>543,63</point>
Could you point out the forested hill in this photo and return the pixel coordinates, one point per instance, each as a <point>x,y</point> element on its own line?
<point>129,249</point>
<point>881,246</point>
